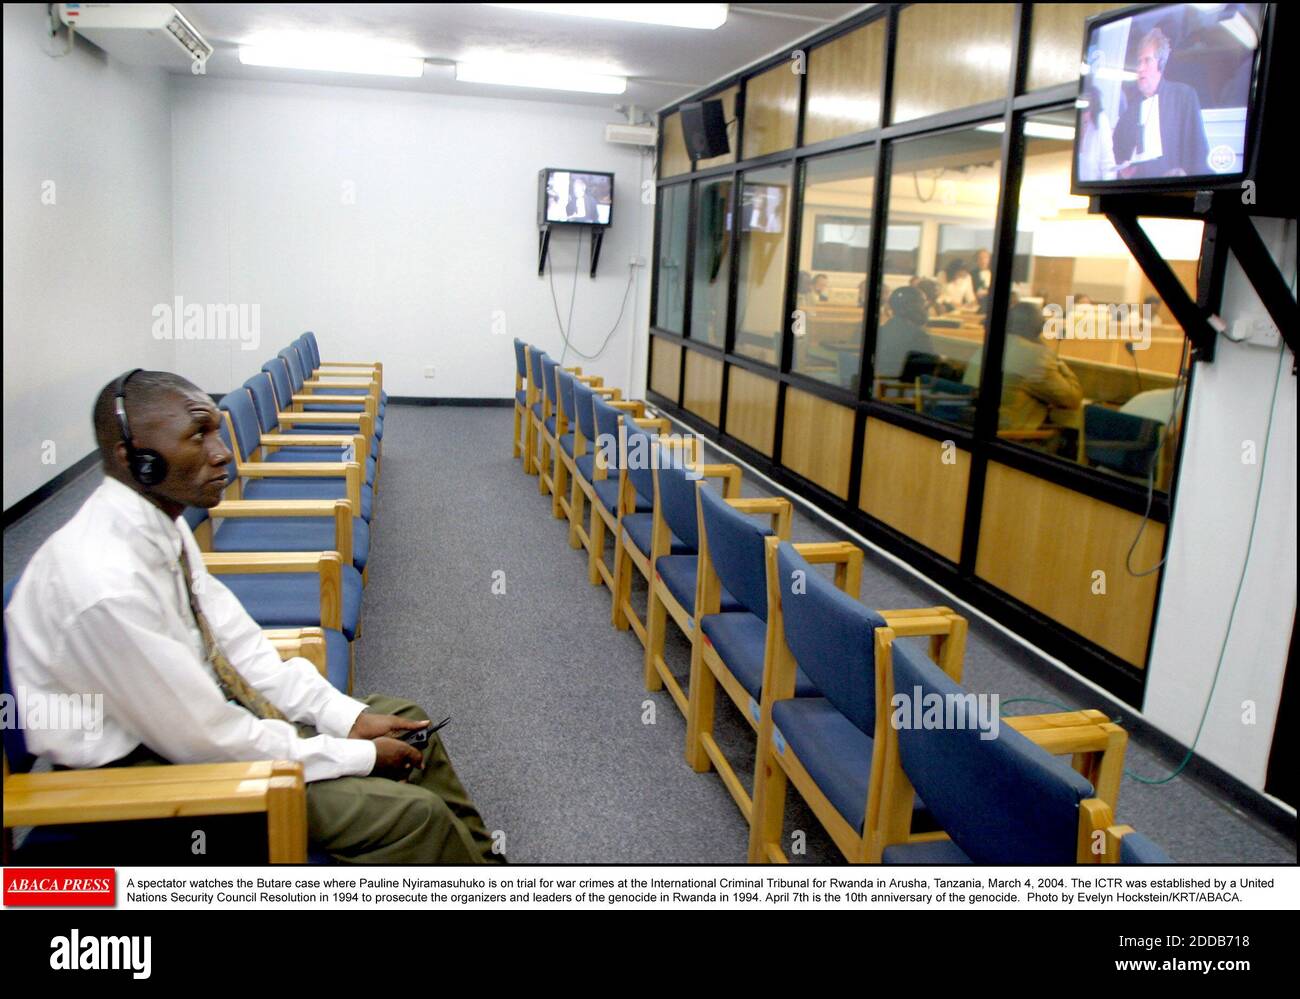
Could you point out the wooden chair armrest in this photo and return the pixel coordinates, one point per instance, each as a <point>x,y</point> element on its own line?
<point>360,444</point>
<point>658,423</point>
<point>361,383</point>
<point>328,565</point>
<point>1071,739</point>
<point>366,402</point>
<point>111,794</point>
<point>730,474</point>
<point>306,643</point>
<point>592,381</point>
<point>634,406</point>
<point>376,365</point>
<point>610,394</point>
<point>780,511</point>
<point>913,624</point>
<point>575,370</point>
<point>276,508</point>
<point>1060,719</point>
<point>846,557</point>
<point>294,469</point>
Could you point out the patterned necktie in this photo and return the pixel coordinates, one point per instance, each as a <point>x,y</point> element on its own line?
<point>232,684</point>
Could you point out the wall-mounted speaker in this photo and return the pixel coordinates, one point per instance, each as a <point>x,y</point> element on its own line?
<point>704,127</point>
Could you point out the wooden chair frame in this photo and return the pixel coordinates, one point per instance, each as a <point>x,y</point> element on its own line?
<point>774,770</point>
<point>563,467</point>
<point>602,521</point>
<point>662,604</point>
<point>708,671</point>
<point>1095,744</point>
<point>627,557</point>
<point>581,493</point>
<point>115,794</point>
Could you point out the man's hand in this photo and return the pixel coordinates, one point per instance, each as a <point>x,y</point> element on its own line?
<point>374,726</point>
<point>395,759</point>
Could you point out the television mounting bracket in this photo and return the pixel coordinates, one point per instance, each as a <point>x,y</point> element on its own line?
<point>1227,229</point>
<point>544,246</point>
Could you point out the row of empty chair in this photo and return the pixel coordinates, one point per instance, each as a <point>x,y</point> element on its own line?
<point>825,682</point>
<point>291,539</point>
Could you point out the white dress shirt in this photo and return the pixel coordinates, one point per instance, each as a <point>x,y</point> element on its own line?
<point>1149,121</point>
<point>102,609</point>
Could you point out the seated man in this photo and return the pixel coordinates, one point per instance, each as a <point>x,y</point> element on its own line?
<point>118,603</point>
<point>1034,379</point>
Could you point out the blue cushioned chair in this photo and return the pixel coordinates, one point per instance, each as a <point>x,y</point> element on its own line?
<point>278,444</point>
<point>608,491</point>
<point>287,480</point>
<point>521,398</point>
<point>536,405</point>
<point>293,422</point>
<point>1001,795</point>
<point>821,738</point>
<point>563,429</point>
<point>547,439</point>
<point>673,576</point>
<point>316,373</point>
<point>637,454</point>
<point>1121,442</point>
<point>67,809</point>
<point>582,493</point>
<point>313,397</point>
<point>731,648</point>
<point>284,526</point>
<point>371,369</point>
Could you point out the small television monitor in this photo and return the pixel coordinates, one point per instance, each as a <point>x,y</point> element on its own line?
<point>575,197</point>
<point>763,208</point>
<point>1168,97</point>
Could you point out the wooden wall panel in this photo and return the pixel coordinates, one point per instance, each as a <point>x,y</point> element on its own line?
<point>844,84</point>
<point>907,484</point>
<point>817,440</point>
<point>702,392</point>
<point>771,111</point>
<point>665,367</point>
<point>675,160</point>
<point>952,55</point>
<point>1056,41</point>
<point>728,98</point>
<point>751,409</point>
<point>1042,543</point>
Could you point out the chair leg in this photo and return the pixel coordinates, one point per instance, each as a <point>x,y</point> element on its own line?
<point>577,501</point>
<point>559,472</point>
<point>514,440</point>
<point>596,552</point>
<point>656,622</point>
<point>699,707</point>
<point>767,818</point>
<point>622,584</point>
<point>543,461</point>
<point>530,444</point>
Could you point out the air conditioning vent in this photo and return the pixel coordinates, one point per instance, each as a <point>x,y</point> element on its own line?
<point>142,34</point>
<point>631,135</point>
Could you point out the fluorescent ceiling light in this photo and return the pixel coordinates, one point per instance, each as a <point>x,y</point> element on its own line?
<point>1033,129</point>
<point>675,15</point>
<point>325,58</point>
<point>544,76</point>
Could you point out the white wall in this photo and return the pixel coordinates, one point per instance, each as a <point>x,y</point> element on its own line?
<point>81,275</point>
<point>440,238</point>
<point>1229,406</point>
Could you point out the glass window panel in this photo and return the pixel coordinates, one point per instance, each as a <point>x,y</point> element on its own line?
<point>712,262</point>
<point>844,84</point>
<point>834,257</point>
<point>670,305</point>
<point>934,286</point>
<point>764,244</point>
<point>771,110</point>
<point>1056,41</point>
<point>952,55</point>
<point>1091,360</point>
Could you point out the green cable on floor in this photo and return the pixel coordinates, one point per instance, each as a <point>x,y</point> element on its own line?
<point>1236,599</point>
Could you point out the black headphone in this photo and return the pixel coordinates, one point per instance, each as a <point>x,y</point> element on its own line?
<point>148,467</point>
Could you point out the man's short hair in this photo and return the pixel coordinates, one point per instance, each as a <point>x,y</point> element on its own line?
<point>1159,43</point>
<point>144,391</point>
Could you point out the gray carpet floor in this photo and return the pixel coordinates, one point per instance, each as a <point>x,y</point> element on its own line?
<point>552,729</point>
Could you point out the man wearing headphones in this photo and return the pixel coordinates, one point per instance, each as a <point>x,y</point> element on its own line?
<point>118,604</point>
<point>1160,132</point>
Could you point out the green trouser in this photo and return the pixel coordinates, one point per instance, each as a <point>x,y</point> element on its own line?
<point>427,819</point>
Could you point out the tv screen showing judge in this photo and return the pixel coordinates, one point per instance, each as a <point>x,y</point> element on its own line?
<point>1166,94</point>
<point>579,198</point>
<point>764,208</point>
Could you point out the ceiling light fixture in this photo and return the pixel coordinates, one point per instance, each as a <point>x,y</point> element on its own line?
<point>708,16</point>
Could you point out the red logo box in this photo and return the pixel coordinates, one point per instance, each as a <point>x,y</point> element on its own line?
<point>60,886</point>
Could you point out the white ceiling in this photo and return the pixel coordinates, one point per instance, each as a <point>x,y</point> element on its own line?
<point>663,64</point>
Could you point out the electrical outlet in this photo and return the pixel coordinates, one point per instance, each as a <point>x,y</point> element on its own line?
<point>428,371</point>
<point>1263,334</point>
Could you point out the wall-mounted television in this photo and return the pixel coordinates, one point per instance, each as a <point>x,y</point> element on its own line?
<point>1170,97</point>
<point>763,208</point>
<point>574,197</point>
